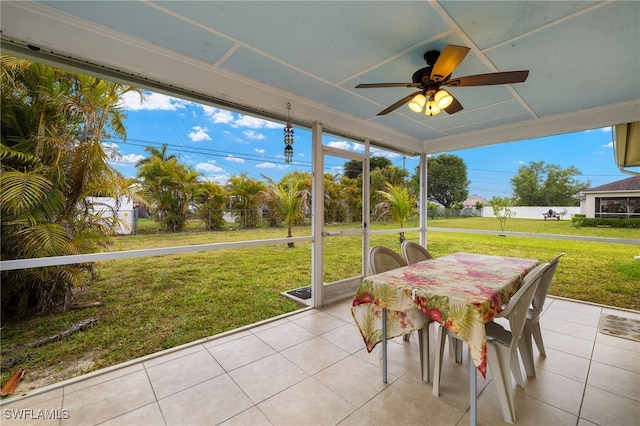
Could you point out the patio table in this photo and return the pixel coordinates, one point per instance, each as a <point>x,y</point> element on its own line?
<point>461,291</point>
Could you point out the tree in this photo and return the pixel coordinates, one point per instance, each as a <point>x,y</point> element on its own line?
<point>502,209</point>
<point>447,179</point>
<point>211,199</point>
<point>170,186</point>
<point>353,168</point>
<point>54,123</point>
<point>540,184</point>
<point>286,201</point>
<point>243,190</point>
<point>398,205</point>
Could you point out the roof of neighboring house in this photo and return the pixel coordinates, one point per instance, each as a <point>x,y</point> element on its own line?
<point>629,184</point>
<point>473,200</point>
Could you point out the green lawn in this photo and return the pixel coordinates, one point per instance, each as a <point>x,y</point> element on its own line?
<point>151,304</point>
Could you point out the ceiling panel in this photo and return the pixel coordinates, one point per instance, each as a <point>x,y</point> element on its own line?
<point>255,56</point>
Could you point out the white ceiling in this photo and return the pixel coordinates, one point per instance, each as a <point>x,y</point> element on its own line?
<point>583,57</point>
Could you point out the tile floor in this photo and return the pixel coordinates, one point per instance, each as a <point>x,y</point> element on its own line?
<point>311,368</point>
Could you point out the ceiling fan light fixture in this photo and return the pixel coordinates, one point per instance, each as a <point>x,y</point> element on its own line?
<point>431,108</point>
<point>417,103</point>
<point>443,99</point>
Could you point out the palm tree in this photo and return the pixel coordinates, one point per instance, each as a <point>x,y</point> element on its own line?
<point>398,204</point>
<point>243,191</point>
<point>286,201</point>
<point>170,186</point>
<point>53,159</point>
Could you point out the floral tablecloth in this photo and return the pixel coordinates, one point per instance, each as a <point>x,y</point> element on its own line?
<point>462,291</point>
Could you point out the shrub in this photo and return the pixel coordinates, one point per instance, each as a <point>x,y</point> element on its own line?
<point>580,220</point>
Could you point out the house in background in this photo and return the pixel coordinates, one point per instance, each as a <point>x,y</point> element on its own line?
<point>617,199</point>
<point>474,199</point>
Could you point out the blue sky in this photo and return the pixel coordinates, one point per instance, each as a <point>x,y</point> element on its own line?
<point>219,144</point>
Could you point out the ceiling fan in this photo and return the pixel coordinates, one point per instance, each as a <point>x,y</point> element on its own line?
<point>436,74</point>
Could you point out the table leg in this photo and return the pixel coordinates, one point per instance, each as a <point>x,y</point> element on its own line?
<point>384,345</point>
<point>473,379</point>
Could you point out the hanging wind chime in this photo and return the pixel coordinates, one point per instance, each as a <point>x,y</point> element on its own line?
<point>288,137</point>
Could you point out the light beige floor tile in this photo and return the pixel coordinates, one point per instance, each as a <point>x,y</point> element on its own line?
<point>347,337</point>
<point>555,304</point>
<point>149,415</point>
<point>298,405</point>
<point>227,338</point>
<point>589,319</point>
<point>284,335</point>
<point>314,355</point>
<point>207,403</point>
<point>569,344</point>
<point>32,399</point>
<point>617,357</point>
<point>614,380</point>
<point>353,379</point>
<point>562,363</point>
<point>94,379</point>
<point>239,352</point>
<point>318,323</point>
<point>340,310</point>
<point>170,356</point>
<point>529,411</point>
<point>604,408</point>
<point>583,422</point>
<point>556,390</point>
<point>569,328</point>
<point>179,374</point>
<point>253,417</point>
<point>110,399</point>
<point>30,411</point>
<point>618,342</point>
<point>267,377</point>
<point>413,404</point>
<point>271,324</point>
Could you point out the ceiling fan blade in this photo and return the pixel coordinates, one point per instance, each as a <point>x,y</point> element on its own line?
<point>454,107</point>
<point>448,61</point>
<point>399,103</point>
<point>508,77</point>
<point>374,85</point>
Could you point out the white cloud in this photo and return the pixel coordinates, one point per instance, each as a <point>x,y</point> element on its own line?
<point>217,116</point>
<point>199,134</point>
<point>609,145</point>
<point>234,159</point>
<point>209,168</point>
<point>152,101</point>
<point>220,179</point>
<point>340,144</point>
<point>255,123</point>
<point>127,160</point>
<point>518,162</point>
<point>110,145</point>
<point>259,151</point>
<point>266,165</point>
<point>253,135</point>
<point>300,154</point>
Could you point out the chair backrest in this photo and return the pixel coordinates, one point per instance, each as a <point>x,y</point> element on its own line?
<point>518,306</point>
<point>414,252</point>
<point>384,259</point>
<point>543,287</point>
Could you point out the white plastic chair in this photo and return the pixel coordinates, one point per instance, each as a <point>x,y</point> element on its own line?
<point>532,324</point>
<point>382,259</point>
<point>414,252</point>
<point>502,344</point>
